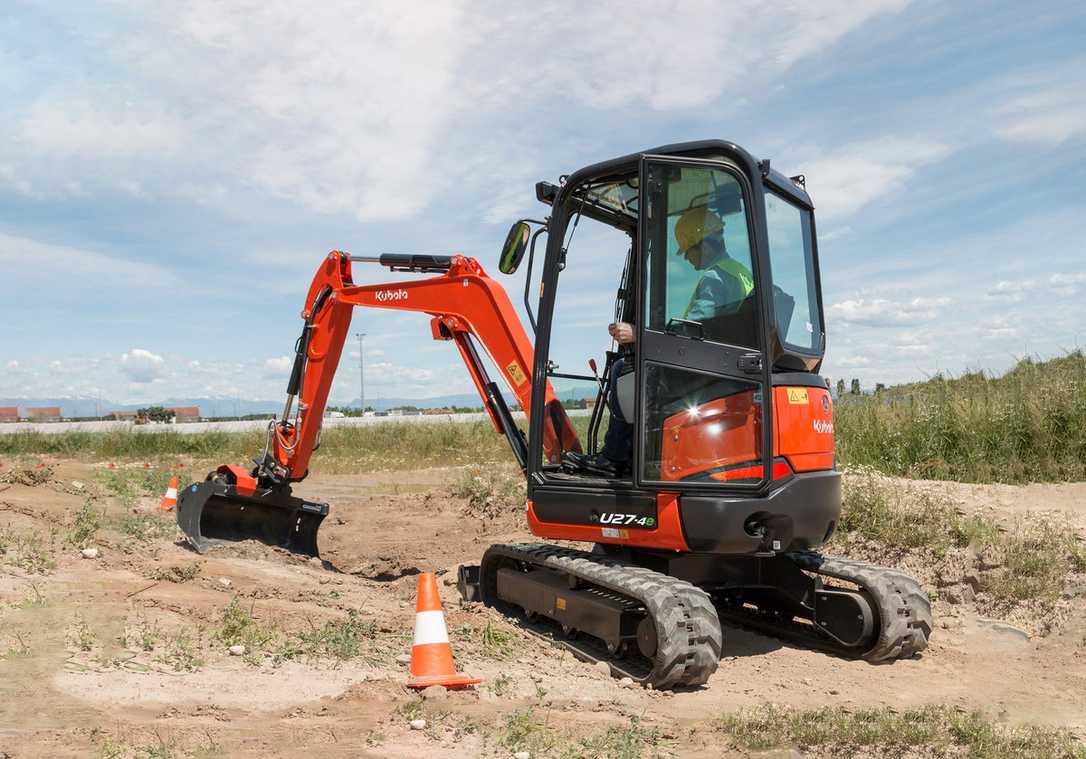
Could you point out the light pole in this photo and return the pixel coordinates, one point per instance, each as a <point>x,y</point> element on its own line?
<point>361,374</point>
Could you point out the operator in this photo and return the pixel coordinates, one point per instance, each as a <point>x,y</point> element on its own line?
<point>724,284</point>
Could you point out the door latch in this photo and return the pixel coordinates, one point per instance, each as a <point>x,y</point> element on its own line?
<point>751,364</point>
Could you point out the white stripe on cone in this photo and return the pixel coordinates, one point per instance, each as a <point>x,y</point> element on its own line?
<point>171,493</point>
<point>430,628</point>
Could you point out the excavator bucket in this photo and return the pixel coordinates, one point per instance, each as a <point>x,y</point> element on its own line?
<point>217,511</point>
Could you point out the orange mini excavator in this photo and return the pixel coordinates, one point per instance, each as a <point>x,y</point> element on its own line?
<point>731,487</point>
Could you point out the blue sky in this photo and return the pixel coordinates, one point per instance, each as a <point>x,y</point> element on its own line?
<point>172,173</point>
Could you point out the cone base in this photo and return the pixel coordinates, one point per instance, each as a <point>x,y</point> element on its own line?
<point>452,682</point>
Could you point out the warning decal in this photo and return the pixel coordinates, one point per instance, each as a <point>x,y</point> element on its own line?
<point>797,395</point>
<point>516,373</point>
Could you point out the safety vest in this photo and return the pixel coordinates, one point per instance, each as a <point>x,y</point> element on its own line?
<point>728,267</point>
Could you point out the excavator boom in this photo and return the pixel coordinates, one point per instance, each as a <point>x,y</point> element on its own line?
<point>466,306</point>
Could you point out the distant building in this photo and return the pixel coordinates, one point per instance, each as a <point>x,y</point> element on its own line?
<point>9,413</point>
<point>123,416</point>
<point>186,413</point>
<point>43,413</point>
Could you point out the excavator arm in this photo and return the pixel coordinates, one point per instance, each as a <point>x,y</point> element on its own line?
<point>466,306</point>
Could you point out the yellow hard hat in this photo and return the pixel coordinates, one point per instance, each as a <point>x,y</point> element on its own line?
<point>695,225</point>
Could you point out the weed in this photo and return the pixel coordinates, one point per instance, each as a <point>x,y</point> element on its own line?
<point>110,749</point>
<point>80,635</point>
<point>144,528</point>
<point>1028,425</point>
<point>941,729</point>
<point>176,574</point>
<point>142,635</point>
<point>239,627</point>
<point>183,654</point>
<point>29,552</point>
<point>524,732</point>
<point>490,490</point>
<point>908,518</point>
<point>340,640</point>
<point>20,650</point>
<point>501,685</point>
<point>162,748</point>
<point>411,710</point>
<point>1035,559</point>
<point>628,742</point>
<point>86,524</point>
<point>498,643</point>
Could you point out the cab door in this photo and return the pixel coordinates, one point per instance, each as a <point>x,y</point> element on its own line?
<point>701,367</point>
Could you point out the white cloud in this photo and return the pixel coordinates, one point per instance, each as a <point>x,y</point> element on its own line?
<point>372,109</point>
<point>142,366</point>
<point>886,312</point>
<point>278,366</point>
<point>1049,117</point>
<point>31,264</point>
<point>1067,284</point>
<point>1013,291</point>
<point>845,179</point>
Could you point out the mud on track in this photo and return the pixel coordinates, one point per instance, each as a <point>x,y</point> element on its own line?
<point>118,655</point>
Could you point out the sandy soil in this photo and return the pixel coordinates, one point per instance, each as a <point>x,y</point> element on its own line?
<point>76,681</point>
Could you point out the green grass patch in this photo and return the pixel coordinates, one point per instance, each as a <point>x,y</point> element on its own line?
<point>1032,561</point>
<point>85,525</point>
<point>498,643</point>
<point>182,653</point>
<point>29,551</point>
<point>524,730</point>
<point>885,732</point>
<point>490,490</point>
<point>238,626</point>
<point>1028,425</point>
<point>340,639</point>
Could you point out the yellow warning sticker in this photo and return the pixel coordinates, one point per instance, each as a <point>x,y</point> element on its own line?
<point>560,603</point>
<point>516,373</point>
<point>797,395</point>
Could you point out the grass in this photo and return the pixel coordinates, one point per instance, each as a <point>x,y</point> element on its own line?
<point>175,573</point>
<point>238,626</point>
<point>490,490</point>
<point>501,685</point>
<point>85,525</point>
<point>885,732</point>
<point>340,639</point>
<point>129,485</point>
<point>143,528</point>
<point>182,654</point>
<point>1028,425</point>
<point>369,448</point>
<point>525,731</point>
<point>498,643</point>
<point>28,551</point>
<point>1034,560</point>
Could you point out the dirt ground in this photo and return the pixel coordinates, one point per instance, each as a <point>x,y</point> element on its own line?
<point>117,655</point>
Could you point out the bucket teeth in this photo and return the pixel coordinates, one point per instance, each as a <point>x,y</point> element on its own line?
<point>213,512</point>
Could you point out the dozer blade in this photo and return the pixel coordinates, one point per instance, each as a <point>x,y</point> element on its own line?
<point>214,511</point>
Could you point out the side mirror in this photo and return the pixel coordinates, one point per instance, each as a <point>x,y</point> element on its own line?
<point>515,244</point>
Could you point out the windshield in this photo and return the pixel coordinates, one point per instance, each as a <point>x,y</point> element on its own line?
<point>791,257</point>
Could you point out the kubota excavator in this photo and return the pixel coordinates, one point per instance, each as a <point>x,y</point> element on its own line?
<point>732,486</point>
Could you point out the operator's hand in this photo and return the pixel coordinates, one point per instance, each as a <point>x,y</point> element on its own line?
<point>623,332</point>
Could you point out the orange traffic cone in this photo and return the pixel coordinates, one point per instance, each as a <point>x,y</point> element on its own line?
<point>431,654</point>
<point>170,499</point>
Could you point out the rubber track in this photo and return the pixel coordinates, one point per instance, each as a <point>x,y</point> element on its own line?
<point>689,638</point>
<point>902,608</point>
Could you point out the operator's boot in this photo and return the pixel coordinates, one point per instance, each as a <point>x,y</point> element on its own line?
<point>597,465</point>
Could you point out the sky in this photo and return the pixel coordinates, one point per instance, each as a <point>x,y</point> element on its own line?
<point>171,174</point>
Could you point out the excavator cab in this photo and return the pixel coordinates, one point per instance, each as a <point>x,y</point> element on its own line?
<point>720,385</point>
